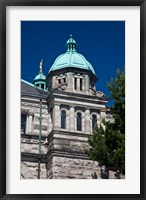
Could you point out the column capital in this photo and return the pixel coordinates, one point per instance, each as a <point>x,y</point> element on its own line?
<point>87,108</point>
<point>30,114</point>
<point>71,106</point>
<point>57,104</point>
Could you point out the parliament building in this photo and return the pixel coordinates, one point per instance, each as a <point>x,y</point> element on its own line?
<point>58,114</point>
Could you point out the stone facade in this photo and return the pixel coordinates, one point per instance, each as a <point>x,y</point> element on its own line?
<point>63,149</point>
<point>58,114</point>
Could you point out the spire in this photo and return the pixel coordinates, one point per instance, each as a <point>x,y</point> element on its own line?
<point>71,44</point>
<point>41,65</point>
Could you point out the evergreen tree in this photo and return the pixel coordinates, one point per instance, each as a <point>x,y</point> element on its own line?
<point>107,144</point>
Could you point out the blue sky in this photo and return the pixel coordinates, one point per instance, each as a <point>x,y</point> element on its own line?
<point>102,43</point>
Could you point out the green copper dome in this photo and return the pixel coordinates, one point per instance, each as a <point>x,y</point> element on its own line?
<point>40,79</point>
<point>40,76</point>
<point>71,58</point>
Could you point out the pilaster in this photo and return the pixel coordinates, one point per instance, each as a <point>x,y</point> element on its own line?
<point>30,117</point>
<point>70,81</point>
<point>56,117</point>
<point>87,121</point>
<point>72,119</point>
<point>87,84</point>
<point>78,84</point>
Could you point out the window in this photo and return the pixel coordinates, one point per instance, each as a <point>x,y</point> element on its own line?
<point>81,82</point>
<point>63,119</point>
<point>59,81</point>
<point>79,122</point>
<point>23,123</point>
<point>42,86</point>
<point>75,83</point>
<point>94,122</point>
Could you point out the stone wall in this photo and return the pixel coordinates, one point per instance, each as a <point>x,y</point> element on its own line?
<point>70,168</point>
<point>31,108</point>
<point>29,170</point>
<point>32,145</point>
<point>66,157</point>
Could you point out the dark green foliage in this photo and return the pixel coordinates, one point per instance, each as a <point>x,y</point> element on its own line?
<point>108,140</point>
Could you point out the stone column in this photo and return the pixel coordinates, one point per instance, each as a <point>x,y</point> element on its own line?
<point>56,117</point>
<point>72,119</point>
<point>87,84</point>
<point>30,123</point>
<point>78,84</point>
<point>102,116</point>
<point>26,128</point>
<point>53,82</point>
<point>83,122</point>
<point>67,119</point>
<point>49,123</point>
<point>83,83</point>
<point>87,121</point>
<point>70,81</point>
<point>94,87</point>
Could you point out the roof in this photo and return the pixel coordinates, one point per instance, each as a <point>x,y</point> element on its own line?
<point>28,88</point>
<point>71,59</point>
<point>40,76</point>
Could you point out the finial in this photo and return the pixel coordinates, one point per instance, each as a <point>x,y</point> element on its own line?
<point>41,64</point>
<point>71,44</point>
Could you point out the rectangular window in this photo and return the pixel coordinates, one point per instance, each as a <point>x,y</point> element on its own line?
<point>81,83</point>
<point>59,81</point>
<point>75,83</point>
<point>23,123</point>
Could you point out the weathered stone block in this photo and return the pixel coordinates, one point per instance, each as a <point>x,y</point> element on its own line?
<point>75,171</point>
<point>24,170</point>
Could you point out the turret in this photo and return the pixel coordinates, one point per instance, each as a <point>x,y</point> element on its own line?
<point>71,72</point>
<point>40,79</point>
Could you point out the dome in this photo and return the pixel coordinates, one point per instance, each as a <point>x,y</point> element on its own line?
<point>40,76</point>
<point>71,59</point>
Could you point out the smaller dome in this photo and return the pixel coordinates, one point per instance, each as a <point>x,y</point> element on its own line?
<point>40,76</point>
<point>40,79</point>
<point>71,40</point>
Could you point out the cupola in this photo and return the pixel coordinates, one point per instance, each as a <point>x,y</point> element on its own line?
<point>71,58</point>
<point>40,79</point>
<point>71,72</point>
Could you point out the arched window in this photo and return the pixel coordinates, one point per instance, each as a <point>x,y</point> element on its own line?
<point>79,122</point>
<point>63,119</point>
<point>94,121</point>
